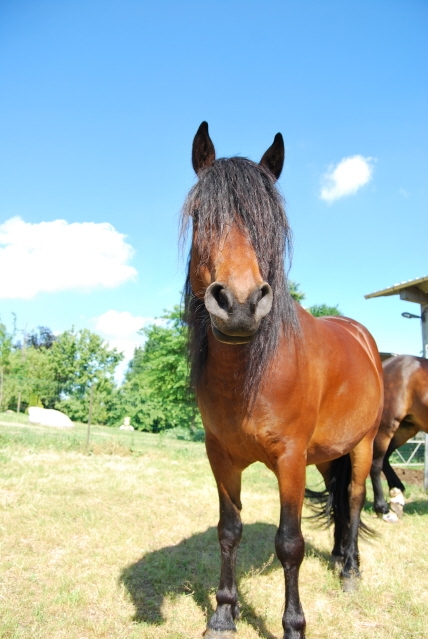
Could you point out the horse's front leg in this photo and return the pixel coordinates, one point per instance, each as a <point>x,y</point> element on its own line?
<point>289,543</point>
<point>228,478</point>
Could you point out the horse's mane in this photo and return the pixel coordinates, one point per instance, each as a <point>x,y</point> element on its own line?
<point>238,191</point>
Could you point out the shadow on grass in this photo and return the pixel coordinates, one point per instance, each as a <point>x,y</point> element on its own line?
<point>417,507</point>
<point>192,568</point>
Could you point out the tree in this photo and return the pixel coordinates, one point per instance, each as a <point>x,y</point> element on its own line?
<point>82,364</point>
<point>320,310</point>
<point>31,379</point>
<point>156,391</point>
<point>42,338</point>
<point>297,295</point>
<point>6,339</point>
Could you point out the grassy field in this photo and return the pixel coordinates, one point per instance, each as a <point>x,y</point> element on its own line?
<point>119,541</point>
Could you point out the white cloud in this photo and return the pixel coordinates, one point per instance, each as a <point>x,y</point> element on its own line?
<point>121,324</point>
<point>346,178</point>
<point>58,256</point>
<point>120,330</point>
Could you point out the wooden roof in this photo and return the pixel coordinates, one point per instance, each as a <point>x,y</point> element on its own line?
<point>420,283</point>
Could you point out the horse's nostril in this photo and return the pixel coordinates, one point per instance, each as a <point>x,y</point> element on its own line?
<point>255,299</point>
<point>265,290</point>
<point>219,301</point>
<point>223,298</point>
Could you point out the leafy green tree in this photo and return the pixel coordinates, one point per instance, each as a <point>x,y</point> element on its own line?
<point>295,293</point>
<point>321,310</point>
<point>156,392</point>
<point>83,365</point>
<point>31,379</point>
<point>42,338</point>
<point>6,340</point>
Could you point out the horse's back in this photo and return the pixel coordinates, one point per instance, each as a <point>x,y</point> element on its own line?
<point>406,390</point>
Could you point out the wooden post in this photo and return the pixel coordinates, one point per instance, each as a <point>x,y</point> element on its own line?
<point>89,416</point>
<point>18,408</point>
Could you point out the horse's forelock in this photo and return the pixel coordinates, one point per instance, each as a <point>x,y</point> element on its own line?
<point>231,191</point>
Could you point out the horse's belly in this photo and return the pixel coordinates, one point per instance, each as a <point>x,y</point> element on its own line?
<point>333,438</point>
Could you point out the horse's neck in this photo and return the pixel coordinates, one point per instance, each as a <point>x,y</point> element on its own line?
<point>229,360</point>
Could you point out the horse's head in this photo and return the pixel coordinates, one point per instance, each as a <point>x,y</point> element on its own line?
<point>237,237</point>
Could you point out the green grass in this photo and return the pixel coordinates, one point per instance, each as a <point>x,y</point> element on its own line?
<point>120,541</point>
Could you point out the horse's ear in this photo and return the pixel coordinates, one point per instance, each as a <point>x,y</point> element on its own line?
<point>273,159</point>
<point>203,152</point>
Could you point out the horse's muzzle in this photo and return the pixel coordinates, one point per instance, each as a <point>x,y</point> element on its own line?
<point>237,322</point>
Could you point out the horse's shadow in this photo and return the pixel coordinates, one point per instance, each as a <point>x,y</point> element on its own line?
<point>192,567</point>
<point>417,507</point>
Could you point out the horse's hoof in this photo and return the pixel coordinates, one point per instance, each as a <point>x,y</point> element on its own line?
<point>390,517</point>
<point>350,584</point>
<point>397,501</point>
<point>219,634</point>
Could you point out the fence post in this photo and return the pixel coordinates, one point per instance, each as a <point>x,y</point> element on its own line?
<point>424,317</point>
<point>18,408</point>
<point>88,434</point>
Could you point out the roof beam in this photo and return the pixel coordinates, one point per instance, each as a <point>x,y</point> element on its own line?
<point>414,294</point>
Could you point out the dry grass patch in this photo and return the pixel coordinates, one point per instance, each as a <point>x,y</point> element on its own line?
<point>123,544</point>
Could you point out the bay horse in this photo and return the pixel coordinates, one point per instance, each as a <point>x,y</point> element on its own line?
<point>405,413</point>
<point>273,383</point>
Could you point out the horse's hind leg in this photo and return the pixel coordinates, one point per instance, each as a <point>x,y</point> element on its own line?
<point>390,474</point>
<point>228,479</point>
<point>361,458</point>
<point>340,517</point>
<point>404,432</point>
<point>380,448</point>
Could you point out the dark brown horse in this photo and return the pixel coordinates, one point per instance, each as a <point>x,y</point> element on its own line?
<point>273,383</point>
<point>405,413</point>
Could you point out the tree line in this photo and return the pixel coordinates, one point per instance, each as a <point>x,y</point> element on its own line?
<point>64,371</point>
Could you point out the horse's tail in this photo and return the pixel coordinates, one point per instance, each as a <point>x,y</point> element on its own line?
<point>332,505</point>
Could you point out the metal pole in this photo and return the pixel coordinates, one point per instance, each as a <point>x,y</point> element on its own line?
<point>424,317</point>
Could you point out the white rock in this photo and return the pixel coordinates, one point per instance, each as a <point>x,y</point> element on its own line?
<point>126,424</point>
<point>49,417</point>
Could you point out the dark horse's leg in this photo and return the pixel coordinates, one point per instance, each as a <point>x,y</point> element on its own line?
<point>228,478</point>
<point>337,476</point>
<point>361,458</point>
<point>381,445</point>
<point>346,481</point>
<point>405,431</point>
<point>289,543</point>
<point>384,445</point>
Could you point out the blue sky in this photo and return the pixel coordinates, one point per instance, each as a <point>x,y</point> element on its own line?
<point>100,101</point>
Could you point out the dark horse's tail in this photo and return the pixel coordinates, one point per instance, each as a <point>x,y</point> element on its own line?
<point>332,505</point>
